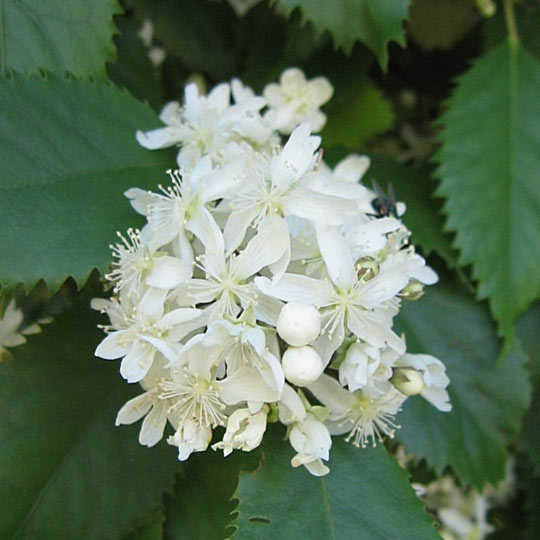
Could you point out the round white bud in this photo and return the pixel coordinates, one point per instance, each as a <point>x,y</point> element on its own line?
<point>299,324</point>
<point>302,365</point>
<point>408,381</point>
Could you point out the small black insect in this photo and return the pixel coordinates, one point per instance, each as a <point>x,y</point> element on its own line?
<point>384,205</point>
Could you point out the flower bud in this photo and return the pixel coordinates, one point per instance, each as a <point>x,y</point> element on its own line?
<point>299,324</point>
<point>408,381</point>
<point>302,365</point>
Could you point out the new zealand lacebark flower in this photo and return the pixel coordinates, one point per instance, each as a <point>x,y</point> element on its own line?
<point>264,284</point>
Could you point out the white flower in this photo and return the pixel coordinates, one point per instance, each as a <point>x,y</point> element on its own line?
<point>435,378</point>
<point>206,125</point>
<point>367,368</point>
<point>138,267</point>
<point>151,405</point>
<point>227,280</point>
<point>11,333</point>
<point>244,431</point>
<point>347,300</point>
<point>147,332</point>
<point>362,416</point>
<point>183,206</point>
<point>311,439</point>
<point>296,100</point>
<point>254,374</point>
<point>282,188</point>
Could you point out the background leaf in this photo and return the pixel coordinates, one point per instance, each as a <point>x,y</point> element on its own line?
<point>69,153</point>
<point>366,113</point>
<point>488,398</point>
<point>74,474</point>
<point>373,22</point>
<point>490,174</point>
<point>365,496</point>
<point>132,69</point>
<point>201,507</point>
<point>58,36</point>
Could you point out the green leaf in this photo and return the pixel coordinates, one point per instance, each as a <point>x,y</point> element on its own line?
<point>373,22</point>
<point>74,474</point>
<point>530,434</point>
<point>149,527</point>
<point>527,331</point>
<point>490,174</point>
<point>488,397</point>
<point>366,495</point>
<point>423,217</point>
<point>366,113</point>
<point>132,69</point>
<point>57,36</point>
<point>204,513</point>
<point>68,154</point>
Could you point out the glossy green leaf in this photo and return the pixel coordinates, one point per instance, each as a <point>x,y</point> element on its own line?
<point>373,22</point>
<point>366,495</point>
<point>365,114</point>
<point>66,471</point>
<point>68,153</point>
<point>201,506</point>
<point>488,397</point>
<point>414,186</point>
<point>57,36</point>
<point>490,175</point>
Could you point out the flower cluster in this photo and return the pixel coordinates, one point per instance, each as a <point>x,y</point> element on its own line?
<point>13,328</point>
<point>264,284</point>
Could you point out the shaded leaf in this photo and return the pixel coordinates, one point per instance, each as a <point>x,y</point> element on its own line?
<point>488,397</point>
<point>74,474</point>
<point>366,495</point>
<point>365,114</point>
<point>201,34</point>
<point>201,506</point>
<point>373,22</point>
<point>132,69</point>
<point>58,36</point>
<point>490,175</point>
<point>68,154</point>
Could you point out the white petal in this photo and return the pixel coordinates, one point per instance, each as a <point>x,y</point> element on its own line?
<point>140,200</point>
<point>236,226</point>
<point>114,346</point>
<point>159,138</point>
<point>263,249</point>
<point>297,288</point>
<point>291,408</point>
<point>152,303</point>
<point>245,384</point>
<point>153,425</point>
<point>352,168</point>
<point>134,409</point>
<point>162,346</point>
<point>337,256</point>
<point>332,395</point>
<point>170,113</point>
<point>204,227</point>
<point>318,207</point>
<point>168,272</point>
<point>137,362</point>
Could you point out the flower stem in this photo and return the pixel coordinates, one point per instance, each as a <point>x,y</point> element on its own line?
<point>511,22</point>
